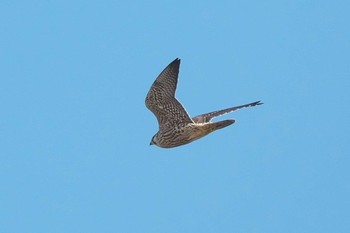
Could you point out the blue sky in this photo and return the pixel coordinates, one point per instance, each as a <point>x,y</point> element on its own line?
<point>75,133</point>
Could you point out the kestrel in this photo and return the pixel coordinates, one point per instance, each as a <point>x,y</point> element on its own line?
<point>176,127</point>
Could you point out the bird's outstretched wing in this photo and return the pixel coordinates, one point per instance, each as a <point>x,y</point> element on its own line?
<point>204,118</point>
<point>161,98</point>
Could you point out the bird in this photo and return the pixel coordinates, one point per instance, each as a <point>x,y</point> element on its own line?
<point>176,127</point>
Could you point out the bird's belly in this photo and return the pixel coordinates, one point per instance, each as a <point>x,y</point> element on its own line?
<point>191,133</point>
<point>182,135</point>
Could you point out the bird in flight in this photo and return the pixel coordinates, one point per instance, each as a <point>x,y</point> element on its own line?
<point>176,127</point>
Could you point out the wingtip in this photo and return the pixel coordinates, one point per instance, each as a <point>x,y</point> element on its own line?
<point>175,63</point>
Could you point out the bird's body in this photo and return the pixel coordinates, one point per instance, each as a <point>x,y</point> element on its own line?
<point>176,127</point>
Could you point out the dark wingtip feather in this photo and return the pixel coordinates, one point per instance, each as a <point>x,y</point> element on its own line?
<point>258,103</point>
<point>174,64</point>
<point>177,60</point>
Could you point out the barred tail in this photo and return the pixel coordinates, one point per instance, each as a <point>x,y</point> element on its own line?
<point>219,125</point>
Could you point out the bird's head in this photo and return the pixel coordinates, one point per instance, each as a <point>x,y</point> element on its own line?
<point>154,140</point>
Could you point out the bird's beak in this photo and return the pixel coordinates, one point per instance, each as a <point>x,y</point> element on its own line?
<point>151,143</point>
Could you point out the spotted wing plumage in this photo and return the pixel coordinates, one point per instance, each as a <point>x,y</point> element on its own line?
<point>161,98</point>
<point>204,118</point>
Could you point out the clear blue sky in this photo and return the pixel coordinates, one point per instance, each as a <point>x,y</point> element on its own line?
<point>75,133</point>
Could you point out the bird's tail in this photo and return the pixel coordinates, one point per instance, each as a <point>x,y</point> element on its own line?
<point>219,125</point>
